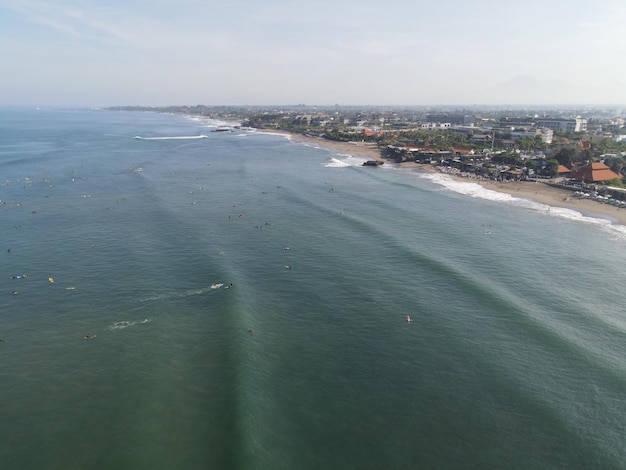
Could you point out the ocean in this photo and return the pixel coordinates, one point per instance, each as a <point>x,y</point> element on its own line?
<point>194,299</point>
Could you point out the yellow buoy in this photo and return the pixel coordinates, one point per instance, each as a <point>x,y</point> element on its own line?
<point>51,280</point>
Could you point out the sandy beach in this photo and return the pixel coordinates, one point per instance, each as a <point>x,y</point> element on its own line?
<point>555,197</point>
<point>362,149</point>
<point>535,191</point>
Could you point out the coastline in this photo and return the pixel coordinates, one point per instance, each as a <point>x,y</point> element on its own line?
<point>543,193</point>
<point>540,192</point>
<point>361,149</point>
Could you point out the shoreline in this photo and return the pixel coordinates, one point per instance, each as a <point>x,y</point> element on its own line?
<point>359,149</point>
<point>540,191</point>
<point>544,193</point>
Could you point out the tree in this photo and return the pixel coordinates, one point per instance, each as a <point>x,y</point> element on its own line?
<point>565,156</point>
<point>507,159</point>
<point>552,167</point>
<point>615,164</point>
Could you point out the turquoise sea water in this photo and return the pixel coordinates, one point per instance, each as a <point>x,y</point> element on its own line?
<point>515,356</point>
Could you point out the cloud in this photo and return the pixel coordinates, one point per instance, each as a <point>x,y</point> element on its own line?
<point>64,19</point>
<point>309,49</point>
<point>97,24</point>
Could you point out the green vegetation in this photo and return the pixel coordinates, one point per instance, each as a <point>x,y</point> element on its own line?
<point>480,137</point>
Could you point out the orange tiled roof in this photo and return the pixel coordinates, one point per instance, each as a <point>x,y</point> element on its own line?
<point>594,172</point>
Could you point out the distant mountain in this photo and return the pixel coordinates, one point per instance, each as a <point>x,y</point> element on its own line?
<point>526,90</point>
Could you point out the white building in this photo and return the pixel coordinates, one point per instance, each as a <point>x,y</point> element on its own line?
<point>577,124</point>
<point>546,134</point>
<point>435,125</point>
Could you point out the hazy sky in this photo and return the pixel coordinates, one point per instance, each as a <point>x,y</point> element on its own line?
<point>157,52</point>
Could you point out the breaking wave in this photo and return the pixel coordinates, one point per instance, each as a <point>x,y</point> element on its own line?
<point>184,293</point>
<point>342,160</point>
<point>178,137</point>
<point>477,191</point>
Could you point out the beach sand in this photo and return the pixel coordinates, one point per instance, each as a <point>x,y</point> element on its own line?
<point>555,197</point>
<point>538,192</point>
<point>362,149</point>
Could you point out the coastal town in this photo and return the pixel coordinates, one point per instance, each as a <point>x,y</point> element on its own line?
<point>528,142</point>
<point>582,149</point>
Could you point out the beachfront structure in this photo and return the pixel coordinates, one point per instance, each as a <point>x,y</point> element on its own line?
<point>435,125</point>
<point>594,173</point>
<point>577,124</point>
<point>563,171</point>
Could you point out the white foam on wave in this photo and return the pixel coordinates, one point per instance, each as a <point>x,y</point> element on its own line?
<point>343,160</point>
<point>215,123</point>
<point>120,325</point>
<point>211,122</point>
<point>477,191</point>
<point>176,137</point>
<point>336,163</point>
<point>183,293</point>
<point>289,137</point>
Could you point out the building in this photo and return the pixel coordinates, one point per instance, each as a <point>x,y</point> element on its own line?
<point>563,171</point>
<point>547,135</point>
<point>577,124</point>
<point>435,125</point>
<point>594,173</point>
